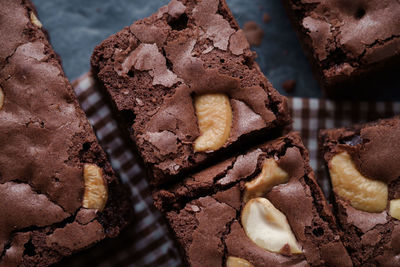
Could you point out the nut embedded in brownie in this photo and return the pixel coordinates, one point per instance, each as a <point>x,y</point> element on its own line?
<point>186,87</point>
<point>347,41</point>
<point>260,208</point>
<point>363,163</point>
<point>58,193</point>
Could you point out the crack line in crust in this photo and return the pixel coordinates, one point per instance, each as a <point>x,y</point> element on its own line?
<point>217,187</point>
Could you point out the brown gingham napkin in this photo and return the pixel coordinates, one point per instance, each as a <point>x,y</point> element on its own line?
<point>311,114</point>
<point>147,242</point>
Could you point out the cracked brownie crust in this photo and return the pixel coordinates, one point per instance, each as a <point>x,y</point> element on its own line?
<point>347,40</point>
<point>204,211</point>
<point>154,69</point>
<point>45,141</point>
<point>372,238</point>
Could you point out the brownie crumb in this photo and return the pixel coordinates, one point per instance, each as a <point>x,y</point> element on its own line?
<point>266,18</point>
<point>289,86</point>
<point>254,33</point>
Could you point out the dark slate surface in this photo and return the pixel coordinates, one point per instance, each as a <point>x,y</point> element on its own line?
<point>77,26</point>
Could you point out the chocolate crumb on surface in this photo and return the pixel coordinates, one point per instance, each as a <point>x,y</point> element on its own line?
<point>156,68</point>
<point>45,141</point>
<point>266,18</point>
<point>254,33</point>
<point>289,86</point>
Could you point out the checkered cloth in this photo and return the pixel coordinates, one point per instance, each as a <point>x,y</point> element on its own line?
<point>310,115</point>
<point>147,242</point>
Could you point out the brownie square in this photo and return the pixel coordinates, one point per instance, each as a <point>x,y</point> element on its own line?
<point>185,86</point>
<point>58,193</point>
<point>347,41</point>
<point>363,162</point>
<point>206,211</point>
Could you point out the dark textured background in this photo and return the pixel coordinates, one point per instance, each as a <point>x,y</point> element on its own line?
<point>77,26</point>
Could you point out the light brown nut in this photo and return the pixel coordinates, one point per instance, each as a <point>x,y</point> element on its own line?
<point>271,175</point>
<point>95,196</point>
<point>394,209</point>
<point>237,262</point>
<point>1,98</point>
<point>35,21</point>
<point>363,193</point>
<point>268,227</point>
<point>214,116</point>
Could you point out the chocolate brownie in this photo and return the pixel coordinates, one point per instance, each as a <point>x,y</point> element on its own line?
<point>347,41</point>
<point>263,208</point>
<point>363,162</point>
<point>185,85</point>
<point>58,193</point>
